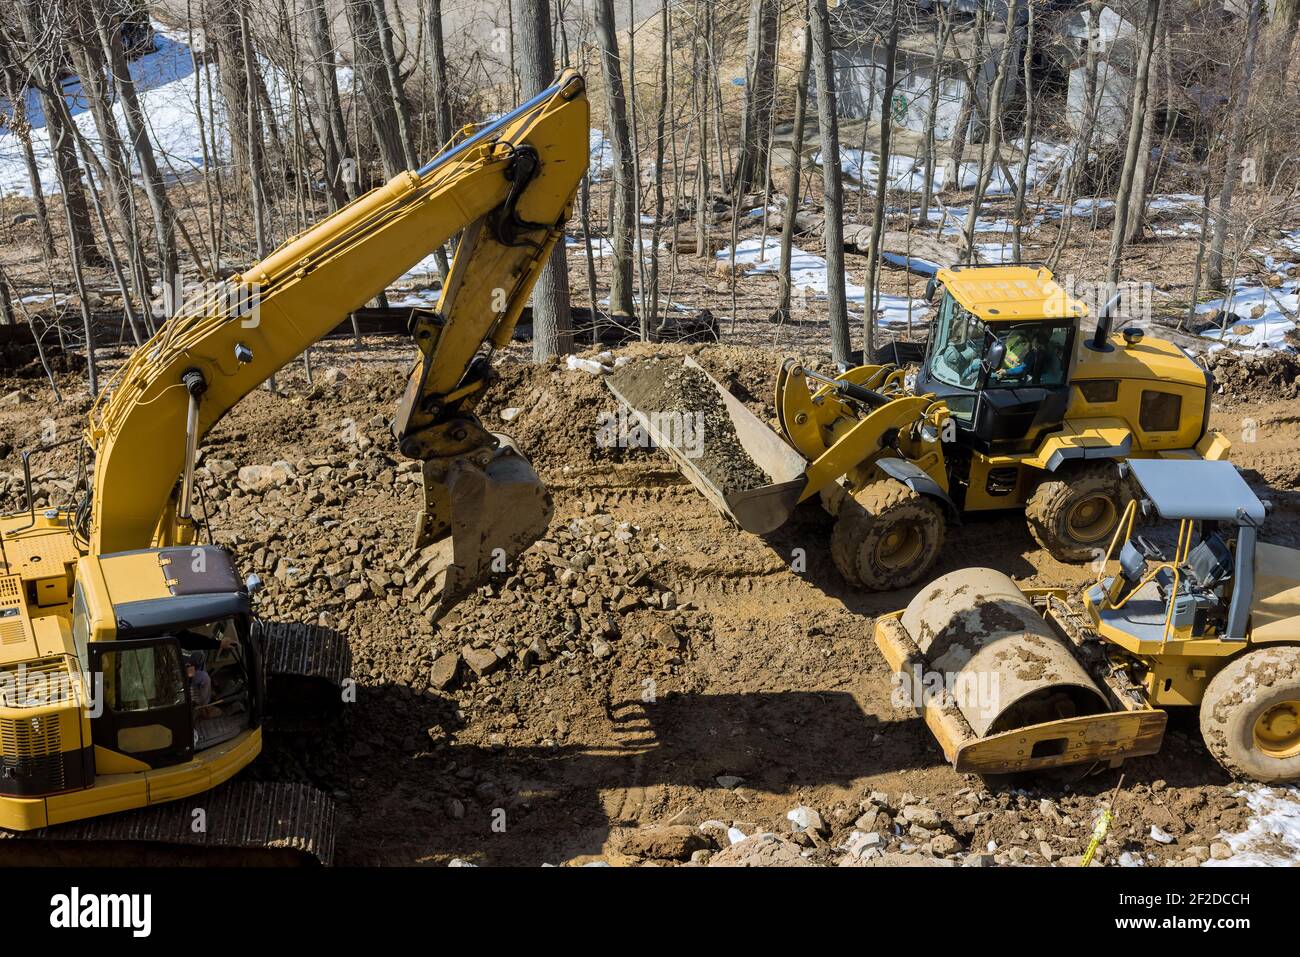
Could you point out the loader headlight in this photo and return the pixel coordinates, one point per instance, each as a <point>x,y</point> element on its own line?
<point>929,433</point>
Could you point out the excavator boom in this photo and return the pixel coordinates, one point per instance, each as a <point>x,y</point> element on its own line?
<point>507,190</point>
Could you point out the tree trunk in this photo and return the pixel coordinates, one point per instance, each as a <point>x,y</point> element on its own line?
<point>371,78</point>
<point>760,63</point>
<point>552,320</point>
<point>942,32</point>
<point>992,147</point>
<point>620,291</point>
<point>1136,121</point>
<point>401,106</point>
<point>164,218</point>
<point>1031,110</point>
<point>796,173</point>
<point>1232,160</point>
<point>221,26</point>
<point>828,128</point>
<point>882,182</point>
<point>329,119</point>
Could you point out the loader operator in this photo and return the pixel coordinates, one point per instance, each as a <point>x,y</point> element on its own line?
<point>1027,357</point>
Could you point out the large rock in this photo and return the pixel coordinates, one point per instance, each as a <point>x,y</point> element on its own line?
<point>761,850</point>
<point>445,669</point>
<point>259,478</point>
<point>676,842</point>
<point>480,660</point>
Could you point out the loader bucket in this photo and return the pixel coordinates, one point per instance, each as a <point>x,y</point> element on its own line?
<point>731,444</point>
<point>478,519</point>
<point>1000,687</point>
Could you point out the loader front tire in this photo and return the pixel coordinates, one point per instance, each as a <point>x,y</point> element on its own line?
<point>1073,515</point>
<point>886,536</point>
<point>1250,716</point>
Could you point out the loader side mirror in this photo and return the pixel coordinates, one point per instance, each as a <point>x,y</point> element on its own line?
<point>931,287</point>
<point>996,355</point>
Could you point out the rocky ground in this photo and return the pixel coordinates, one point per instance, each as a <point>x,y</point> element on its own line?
<point>647,685</point>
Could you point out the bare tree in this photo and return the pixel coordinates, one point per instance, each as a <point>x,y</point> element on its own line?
<point>1124,195</point>
<point>1234,150</point>
<point>829,132</point>
<point>620,292</point>
<point>760,63</point>
<point>373,80</point>
<point>552,320</point>
<point>792,197</point>
<point>882,180</point>
<point>164,216</point>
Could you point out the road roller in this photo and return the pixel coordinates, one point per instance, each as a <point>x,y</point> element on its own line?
<point>1190,609</point>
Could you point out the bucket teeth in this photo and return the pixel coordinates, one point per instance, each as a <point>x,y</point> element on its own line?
<point>478,521</point>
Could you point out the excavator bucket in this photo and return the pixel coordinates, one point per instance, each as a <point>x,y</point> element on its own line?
<point>478,518</point>
<point>744,468</point>
<point>1000,683</point>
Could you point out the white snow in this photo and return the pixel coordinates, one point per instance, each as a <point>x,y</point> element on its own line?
<point>809,273</point>
<point>1273,835</point>
<point>1269,328</point>
<point>165,84</point>
<point>601,151</point>
<point>907,173</point>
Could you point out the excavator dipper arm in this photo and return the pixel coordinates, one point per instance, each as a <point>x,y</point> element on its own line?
<point>508,190</point>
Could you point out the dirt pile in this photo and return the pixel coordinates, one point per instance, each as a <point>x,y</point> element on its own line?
<point>1255,376</point>
<point>646,684</point>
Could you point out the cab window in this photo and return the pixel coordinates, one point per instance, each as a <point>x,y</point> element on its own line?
<point>959,345</point>
<point>143,679</point>
<point>1036,355</point>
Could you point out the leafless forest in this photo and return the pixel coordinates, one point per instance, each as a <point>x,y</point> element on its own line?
<point>710,123</point>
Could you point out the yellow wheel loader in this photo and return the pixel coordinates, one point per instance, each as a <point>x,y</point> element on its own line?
<point>1012,679</point>
<point>109,610</point>
<point>1012,408</point>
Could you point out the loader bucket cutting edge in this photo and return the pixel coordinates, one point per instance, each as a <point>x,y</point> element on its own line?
<point>758,510</point>
<point>485,518</point>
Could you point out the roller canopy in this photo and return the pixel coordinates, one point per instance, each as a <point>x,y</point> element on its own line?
<point>1198,490</point>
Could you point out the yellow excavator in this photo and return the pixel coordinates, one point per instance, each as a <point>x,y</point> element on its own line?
<point>1207,615</point>
<point>1012,407</point>
<point>108,610</point>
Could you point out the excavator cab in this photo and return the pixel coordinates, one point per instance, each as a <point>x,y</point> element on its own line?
<point>999,356</point>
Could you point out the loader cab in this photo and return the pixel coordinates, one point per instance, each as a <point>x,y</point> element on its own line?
<point>999,355</point>
<point>166,636</point>
<point>1191,576</point>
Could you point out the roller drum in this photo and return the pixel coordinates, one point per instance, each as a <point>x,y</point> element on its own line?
<point>999,659</point>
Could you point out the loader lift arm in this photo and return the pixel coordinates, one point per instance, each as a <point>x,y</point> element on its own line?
<point>507,189</point>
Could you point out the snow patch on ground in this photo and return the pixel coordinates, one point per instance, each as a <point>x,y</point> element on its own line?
<point>1273,836</point>
<point>907,173</point>
<point>1277,309</point>
<point>809,273</point>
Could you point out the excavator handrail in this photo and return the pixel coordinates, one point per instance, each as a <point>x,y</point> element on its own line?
<point>493,126</point>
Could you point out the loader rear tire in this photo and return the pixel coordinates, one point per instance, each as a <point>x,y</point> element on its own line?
<point>1073,515</point>
<point>886,536</point>
<point>1250,716</point>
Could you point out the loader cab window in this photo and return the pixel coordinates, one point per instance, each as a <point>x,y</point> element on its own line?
<point>142,679</point>
<point>959,345</point>
<point>1037,355</point>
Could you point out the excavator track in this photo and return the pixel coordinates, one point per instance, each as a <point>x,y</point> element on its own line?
<point>240,823</point>
<point>306,667</point>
